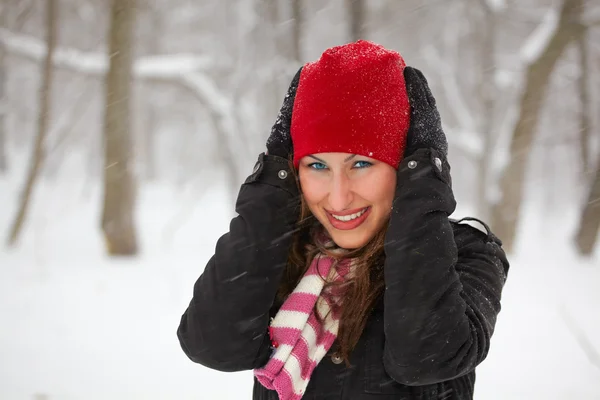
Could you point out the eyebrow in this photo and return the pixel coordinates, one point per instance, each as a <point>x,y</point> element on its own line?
<point>317,158</point>
<point>321,161</point>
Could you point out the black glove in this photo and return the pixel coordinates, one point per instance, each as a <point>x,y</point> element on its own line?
<point>425,129</point>
<point>280,142</point>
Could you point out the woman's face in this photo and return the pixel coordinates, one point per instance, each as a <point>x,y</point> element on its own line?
<point>351,195</point>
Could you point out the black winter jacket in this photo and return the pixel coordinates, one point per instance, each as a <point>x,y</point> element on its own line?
<point>424,338</point>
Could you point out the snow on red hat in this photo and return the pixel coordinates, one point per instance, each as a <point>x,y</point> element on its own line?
<point>352,100</point>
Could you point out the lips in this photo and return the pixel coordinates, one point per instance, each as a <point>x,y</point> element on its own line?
<point>360,215</point>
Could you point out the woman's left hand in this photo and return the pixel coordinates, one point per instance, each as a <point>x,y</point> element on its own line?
<point>426,152</point>
<point>425,123</point>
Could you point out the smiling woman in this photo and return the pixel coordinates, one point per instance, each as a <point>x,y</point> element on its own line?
<point>343,276</point>
<point>351,196</point>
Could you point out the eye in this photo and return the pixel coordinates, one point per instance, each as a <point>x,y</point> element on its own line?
<point>362,164</point>
<point>317,166</point>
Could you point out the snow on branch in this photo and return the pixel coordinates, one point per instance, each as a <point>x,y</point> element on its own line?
<point>96,63</point>
<point>495,5</point>
<point>35,49</point>
<point>183,69</point>
<point>539,38</point>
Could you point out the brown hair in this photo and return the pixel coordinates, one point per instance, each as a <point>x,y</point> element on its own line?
<point>360,292</point>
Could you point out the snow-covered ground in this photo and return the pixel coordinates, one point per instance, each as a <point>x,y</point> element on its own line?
<point>75,325</point>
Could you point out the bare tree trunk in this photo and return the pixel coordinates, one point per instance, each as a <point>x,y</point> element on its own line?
<point>589,223</point>
<point>357,13</point>
<point>151,111</point>
<point>488,95</point>
<point>119,185</point>
<point>505,214</point>
<point>585,122</point>
<point>3,112</point>
<point>279,49</point>
<point>38,155</point>
<point>3,100</point>
<point>272,10</point>
<point>298,22</point>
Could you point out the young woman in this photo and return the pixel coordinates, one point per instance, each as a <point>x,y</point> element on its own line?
<point>343,277</point>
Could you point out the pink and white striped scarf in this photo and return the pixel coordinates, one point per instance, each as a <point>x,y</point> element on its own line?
<point>299,339</point>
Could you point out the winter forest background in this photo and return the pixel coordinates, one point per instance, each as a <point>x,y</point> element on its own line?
<point>127,126</point>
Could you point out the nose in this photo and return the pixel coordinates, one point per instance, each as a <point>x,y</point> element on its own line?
<point>340,194</point>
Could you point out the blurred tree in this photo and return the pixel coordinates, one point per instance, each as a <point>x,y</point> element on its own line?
<point>12,15</point>
<point>38,155</point>
<point>149,110</point>
<point>285,31</point>
<point>3,96</point>
<point>119,183</point>
<point>277,48</point>
<point>357,16</point>
<point>583,81</point>
<point>589,222</point>
<point>488,92</point>
<point>297,23</point>
<point>506,213</point>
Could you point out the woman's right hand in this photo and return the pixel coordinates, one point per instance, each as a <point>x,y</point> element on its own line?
<point>279,142</point>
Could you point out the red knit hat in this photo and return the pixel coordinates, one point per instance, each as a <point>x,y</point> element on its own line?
<point>352,100</point>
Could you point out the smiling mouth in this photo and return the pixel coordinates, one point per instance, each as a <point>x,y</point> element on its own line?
<point>348,221</point>
<point>346,218</point>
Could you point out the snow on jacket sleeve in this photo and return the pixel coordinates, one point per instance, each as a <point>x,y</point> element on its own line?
<point>225,325</point>
<point>443,280</point>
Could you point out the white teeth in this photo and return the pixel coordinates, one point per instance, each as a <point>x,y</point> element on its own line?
<point>349,217</point>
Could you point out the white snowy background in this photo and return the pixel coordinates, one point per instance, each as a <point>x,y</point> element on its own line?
<point>78,325</point>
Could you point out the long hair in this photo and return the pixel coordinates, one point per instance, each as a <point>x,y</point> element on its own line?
<point>361,291</point>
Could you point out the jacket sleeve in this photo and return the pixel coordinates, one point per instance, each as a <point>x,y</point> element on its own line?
<point>443,285</point>
<point>226,323</point>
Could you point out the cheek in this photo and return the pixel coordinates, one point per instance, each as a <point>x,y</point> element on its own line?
<point>313,189</point>
<point>379,190</point>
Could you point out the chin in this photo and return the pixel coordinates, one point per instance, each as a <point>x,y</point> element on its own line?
<point>348,240</point>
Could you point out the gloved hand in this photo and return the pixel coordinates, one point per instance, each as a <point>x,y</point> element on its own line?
<point>425,129</point>
<point>279,142</point>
